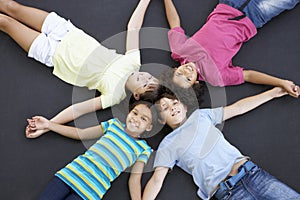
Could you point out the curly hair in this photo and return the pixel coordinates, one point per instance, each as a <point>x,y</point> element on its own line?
<point>192,97</point>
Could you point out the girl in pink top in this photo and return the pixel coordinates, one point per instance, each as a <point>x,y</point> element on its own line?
<point>207,55</point>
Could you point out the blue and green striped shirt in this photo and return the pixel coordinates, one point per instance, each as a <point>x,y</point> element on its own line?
<point>90,174</point>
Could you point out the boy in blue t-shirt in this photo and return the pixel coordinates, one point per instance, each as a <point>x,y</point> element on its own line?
<point>218,168</point>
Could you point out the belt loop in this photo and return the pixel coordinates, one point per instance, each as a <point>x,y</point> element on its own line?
<point>241,8</point>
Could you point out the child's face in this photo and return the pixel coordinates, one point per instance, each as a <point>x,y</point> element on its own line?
<point>185,75</point>
<point>141,81</point>
<point>172,112</point>
<point>139,120</point>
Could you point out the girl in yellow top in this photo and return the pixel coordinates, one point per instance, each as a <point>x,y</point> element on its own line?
<point>78,58</point>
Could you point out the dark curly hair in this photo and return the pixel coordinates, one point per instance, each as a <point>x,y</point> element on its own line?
<point>192,97</point>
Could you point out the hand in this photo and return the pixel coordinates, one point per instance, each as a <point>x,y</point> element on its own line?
<point>38,122</point>
<point>34,133</point>
<point>291,88</point>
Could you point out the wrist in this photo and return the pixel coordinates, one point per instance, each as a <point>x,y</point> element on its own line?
<point>281,82</point>
<point>49,125</point>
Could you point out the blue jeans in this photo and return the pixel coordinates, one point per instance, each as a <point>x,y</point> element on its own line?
<point>58,190</point>
<point>259,185</point>
<point>262,11</point>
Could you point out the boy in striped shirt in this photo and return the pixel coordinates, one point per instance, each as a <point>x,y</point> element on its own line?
<point>119,147</point>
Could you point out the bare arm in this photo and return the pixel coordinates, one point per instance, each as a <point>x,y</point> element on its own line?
<point>155,183</point>
<point>242,106</point>
<point>135,24</point>
<point>69,114</point>
<point>40,123</point>
<point>172,15</point>
<point>261,78</point>
<point>134,182</point>
<point>76,110</point>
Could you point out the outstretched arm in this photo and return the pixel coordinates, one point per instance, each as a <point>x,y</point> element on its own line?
<point>155,183</point>
<point>134,25</point>
<point>76,110</point>
<point>40,123</point>
<point>134,182</point>
<point>261,78</point>
<point>69,114</point>
<point>242,106</point>
<point>172,15</point>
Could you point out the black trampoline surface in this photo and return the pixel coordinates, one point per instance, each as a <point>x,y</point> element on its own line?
<point>269,134</point>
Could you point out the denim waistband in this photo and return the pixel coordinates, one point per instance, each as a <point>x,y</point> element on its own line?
<point>229,184</point>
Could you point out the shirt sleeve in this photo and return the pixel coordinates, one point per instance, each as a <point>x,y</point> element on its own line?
<point>134,56</point>
<point>177,38</point>
<point>233,75</point>
<point>144,157</point>
<point>105,125</point>
<point>108,100</point>
<point>166,155</point>
<point>215,115</point>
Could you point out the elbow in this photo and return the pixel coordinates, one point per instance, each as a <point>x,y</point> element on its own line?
<point>157,180</point>
<point>174,23</point>
<point>133,27</point>
<point>239,109</point>
<point>135,179</point>
<point>248,75</point>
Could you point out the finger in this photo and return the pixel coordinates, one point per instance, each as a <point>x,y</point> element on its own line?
<point>36,117</point>
<point>29,121</point>
<point>31,136</point>
<point>33,128</point>
<point>296,89</point>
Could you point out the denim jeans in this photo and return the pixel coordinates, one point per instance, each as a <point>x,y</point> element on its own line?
<point>262,11</point>
<point>58,190</point>
<point>259,185</point>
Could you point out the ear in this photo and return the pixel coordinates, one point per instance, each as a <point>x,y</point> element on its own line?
<point>185,108</point>
<point>136,96</point>
<point>149,128</point>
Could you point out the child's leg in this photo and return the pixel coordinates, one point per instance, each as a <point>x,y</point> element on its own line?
<point>262,11</point>
<point>29,16</point>
<point>56,189</point>
<point>23,35</point>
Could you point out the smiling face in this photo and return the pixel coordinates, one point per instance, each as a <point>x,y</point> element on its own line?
<point>185,75</point>
<point>141,82</point>
<point>139,120</point>
<point>172,112</point>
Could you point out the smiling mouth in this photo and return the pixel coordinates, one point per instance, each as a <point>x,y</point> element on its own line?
<point>189,67</point>
<point>175,113</point>
<point>134,124</point>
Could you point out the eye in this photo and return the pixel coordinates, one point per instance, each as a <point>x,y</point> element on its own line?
<point>134,112</point>
<point>178,73</point>
<point>144,119</point>
<point>189,79</point>
<point>145,85</point>
<point>164,108</point>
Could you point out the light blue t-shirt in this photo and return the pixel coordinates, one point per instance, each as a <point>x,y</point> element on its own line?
<point>200,149</point>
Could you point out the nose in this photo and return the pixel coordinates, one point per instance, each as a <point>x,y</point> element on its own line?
<point>186,71</point>
<point>173,108</point>
<point>143,77</point>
